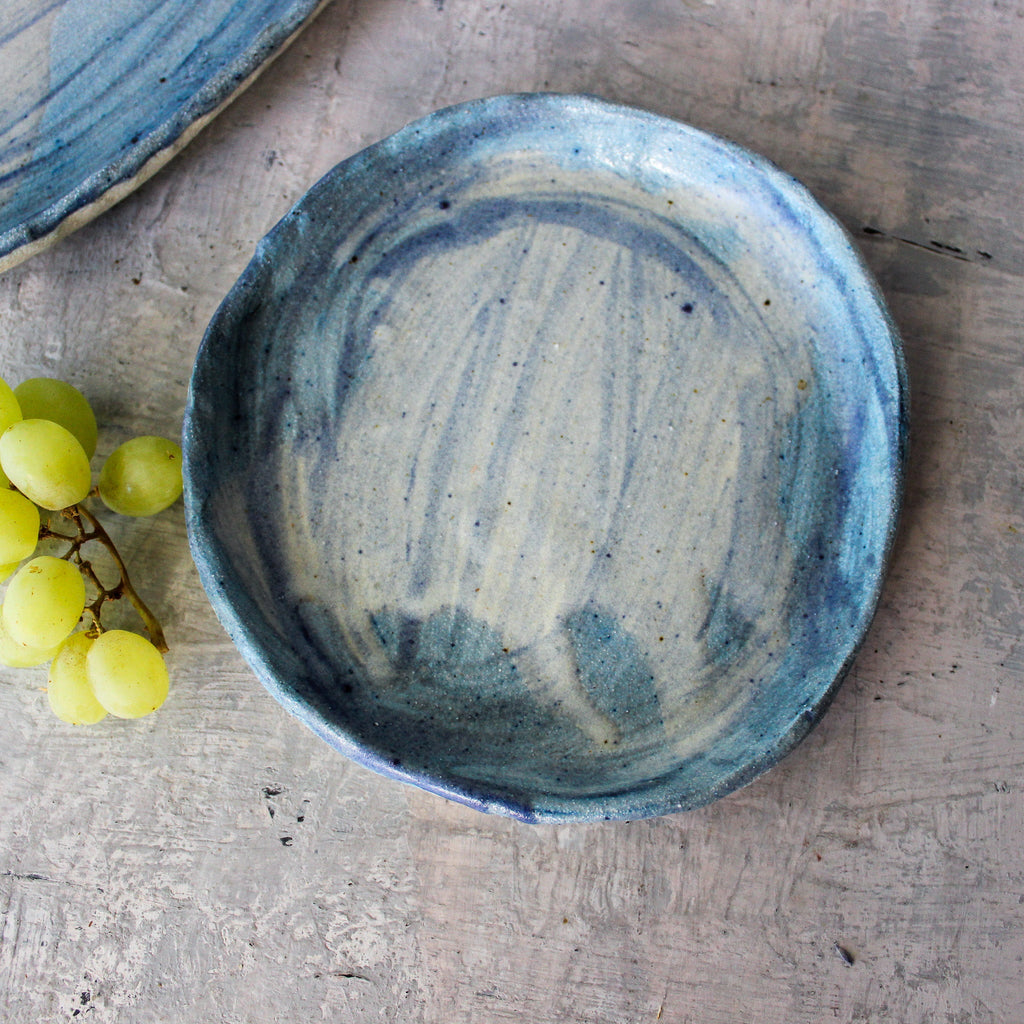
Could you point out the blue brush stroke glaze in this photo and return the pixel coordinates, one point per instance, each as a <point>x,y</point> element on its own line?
<point>613,669</point>
<point>92,91</point>
<point>548,456</point>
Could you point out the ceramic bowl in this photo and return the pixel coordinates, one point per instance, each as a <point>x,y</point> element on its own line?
<point>547,455</point>
<point>99,94</point>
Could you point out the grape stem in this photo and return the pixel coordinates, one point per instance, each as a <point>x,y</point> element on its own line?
<point>89,528</point>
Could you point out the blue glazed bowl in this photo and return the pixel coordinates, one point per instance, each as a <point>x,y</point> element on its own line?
<point>99,94</point>
<point>548,455</point>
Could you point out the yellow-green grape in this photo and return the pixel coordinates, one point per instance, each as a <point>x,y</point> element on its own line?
<point>7,570</point>
<point>44,602</point>
<point>10,412</point>
<point>45,398</point>
<point>16,655</point>
<point>127,674</point>
<point>142,476</point>
<point>19,527</point>
<point>67,689</point>
<point>45,462</point>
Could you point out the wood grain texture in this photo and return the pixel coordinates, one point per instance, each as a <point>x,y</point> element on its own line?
<point>217,863</point>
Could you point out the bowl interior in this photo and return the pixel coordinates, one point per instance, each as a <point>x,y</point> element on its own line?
<point>547,455</point>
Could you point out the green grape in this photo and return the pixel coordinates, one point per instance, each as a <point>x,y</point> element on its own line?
<point>127,674</point>
<point>68,690</point>
<point>7,570</point>
<point>19,526</point>
<point>45,398</point>
<point>16,655</point>
<point>10,412</point>
<point>142,476</point>
<point>45,462</point>
<point>44,601</point>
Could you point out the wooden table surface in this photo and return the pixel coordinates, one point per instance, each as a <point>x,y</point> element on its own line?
<point>218,863</point>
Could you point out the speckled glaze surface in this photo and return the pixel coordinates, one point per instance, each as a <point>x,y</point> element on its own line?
<point>548,455</point>
<point>97,95</point>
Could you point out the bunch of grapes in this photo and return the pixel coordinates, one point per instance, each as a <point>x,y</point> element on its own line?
<point>53,603</point>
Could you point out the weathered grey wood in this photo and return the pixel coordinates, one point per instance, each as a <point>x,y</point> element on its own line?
<point>218,863</point>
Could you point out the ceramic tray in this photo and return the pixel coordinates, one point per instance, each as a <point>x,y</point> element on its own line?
<point>96,95</point>
<point>548,456</point>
